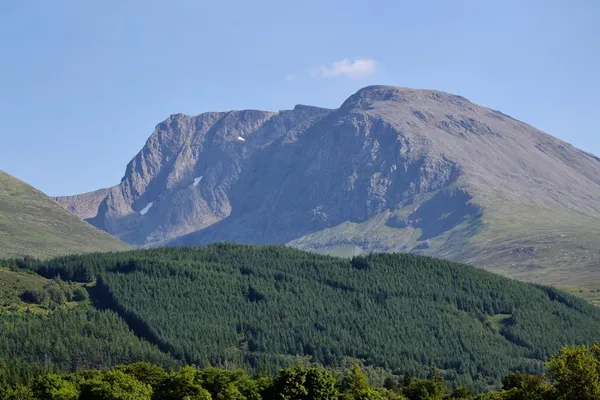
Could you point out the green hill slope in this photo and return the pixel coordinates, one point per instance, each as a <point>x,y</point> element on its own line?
<point>269,307</point>
<point>33,224</point>
<point>48,325</point>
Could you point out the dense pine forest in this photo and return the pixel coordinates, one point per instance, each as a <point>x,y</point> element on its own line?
<point>51,325</point>
<point>261,309</point>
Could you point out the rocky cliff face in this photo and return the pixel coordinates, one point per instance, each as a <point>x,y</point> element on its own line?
<point>181,180</point>
<point>392,169</point>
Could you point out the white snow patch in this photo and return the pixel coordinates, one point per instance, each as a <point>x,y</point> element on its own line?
<point>241,139</point>
<point>197,180</point>
<point>144,210</point>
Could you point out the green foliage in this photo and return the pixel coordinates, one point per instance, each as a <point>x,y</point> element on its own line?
<point>17,392</point>
<point>57,295</point>
<point>80,294</point>
<point>299,383</point>
<point>51,296</point>
<point>68,340</point>
<point>503,395</point>
<point>115,385</point>
<point>575,374</point>
<point>357,387</point>
<point>463,392</point>
<point>15,283</point>
<point>145,372</point>
<point>24,290</point>
<point>356,380</point>
<point>421,389</point>
<point>184,384</point>
<point>224,384</point>
<point>54,387</point>
<point>525,386</point>
<point>268,307</point>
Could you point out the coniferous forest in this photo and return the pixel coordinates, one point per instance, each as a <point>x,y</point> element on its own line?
<point>257,309</point>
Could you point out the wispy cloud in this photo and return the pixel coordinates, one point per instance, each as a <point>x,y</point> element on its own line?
<point>290,77</point>
<point>355,69</point>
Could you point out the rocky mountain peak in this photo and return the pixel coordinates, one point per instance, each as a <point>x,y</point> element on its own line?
<point>367,97</point>
<point>392,169</point>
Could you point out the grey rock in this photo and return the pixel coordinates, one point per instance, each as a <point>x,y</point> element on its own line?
<point>392,169</point>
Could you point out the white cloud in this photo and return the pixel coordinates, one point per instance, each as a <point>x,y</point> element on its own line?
<point>356,69</point>
<point>290,77</point>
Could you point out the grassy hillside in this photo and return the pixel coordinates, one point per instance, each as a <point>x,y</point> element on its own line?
<point>33,224</point>
<point>528,243</point>
<point>270,307</point>
<point>14,283</point>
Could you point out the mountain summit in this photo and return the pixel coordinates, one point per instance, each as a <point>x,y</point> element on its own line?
<point>392,169</point>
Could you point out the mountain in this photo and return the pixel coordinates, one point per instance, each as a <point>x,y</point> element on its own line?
<point>33,224</point>
<point>263,308</point>
<point>182,179</point>
<point>392,169</point>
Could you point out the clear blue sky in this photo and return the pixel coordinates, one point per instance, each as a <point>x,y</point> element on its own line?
<point>82,83</point>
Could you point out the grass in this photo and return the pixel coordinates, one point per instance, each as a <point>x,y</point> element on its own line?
<point>353,238</point>
<point>33,224</point>
<point>589,292</point>
<point>496,322</point>
<point>14,283</point>
<point>553,247</point>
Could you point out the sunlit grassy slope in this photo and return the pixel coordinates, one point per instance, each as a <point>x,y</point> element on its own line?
<point>535,244</point>
<point>33,224</point>
<point>14,283</point>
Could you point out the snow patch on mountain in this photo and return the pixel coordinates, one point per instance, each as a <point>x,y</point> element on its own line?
<point>144,210</point>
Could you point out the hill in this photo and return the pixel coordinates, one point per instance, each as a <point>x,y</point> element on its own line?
<point>271,307</point>
<point>33,224</point>
<point>392,169</point>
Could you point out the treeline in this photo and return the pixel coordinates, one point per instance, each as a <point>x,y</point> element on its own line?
<point>270,307</point>
<point>574,374</point>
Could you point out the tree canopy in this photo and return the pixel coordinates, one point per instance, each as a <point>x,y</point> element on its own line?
<point>573,374</point>
<point>267,308</point>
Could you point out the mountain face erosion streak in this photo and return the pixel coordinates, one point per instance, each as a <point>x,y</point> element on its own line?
<point>392,169</point>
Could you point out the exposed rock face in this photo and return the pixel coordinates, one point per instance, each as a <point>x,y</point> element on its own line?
<point>391,169</point>
<point>186,172</point>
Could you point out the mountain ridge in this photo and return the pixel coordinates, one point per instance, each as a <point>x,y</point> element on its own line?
<point>392,169</point>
